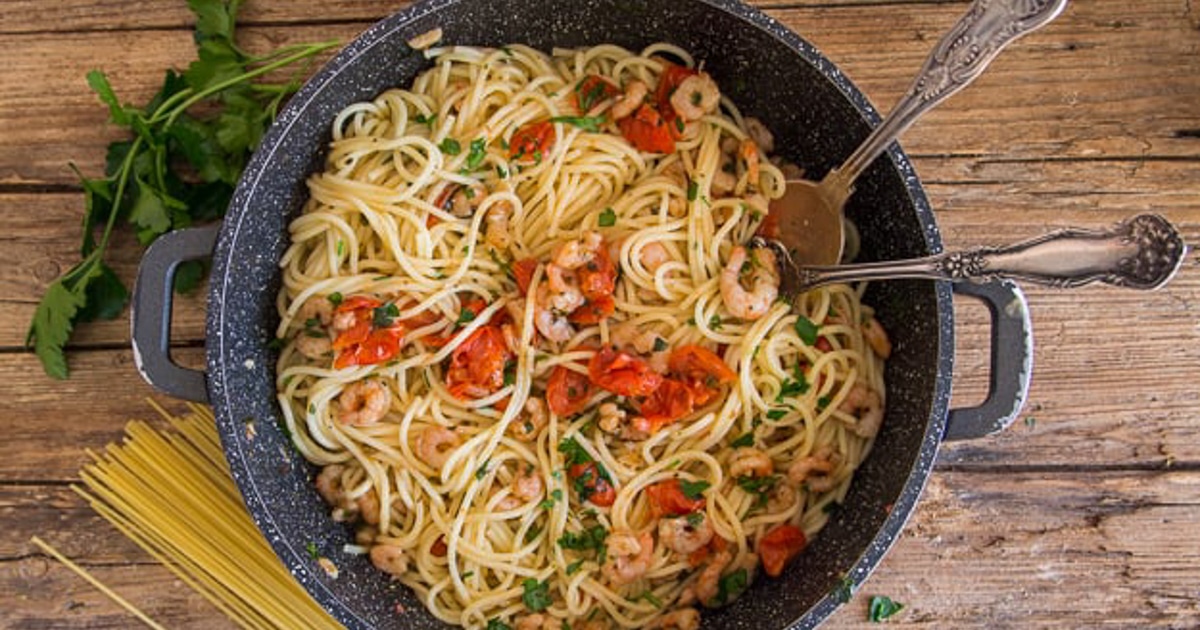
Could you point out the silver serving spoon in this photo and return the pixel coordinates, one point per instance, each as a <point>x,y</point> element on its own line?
<point>810,213</point>
<point>1142,252</point>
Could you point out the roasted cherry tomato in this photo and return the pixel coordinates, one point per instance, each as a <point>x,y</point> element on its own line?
<point>532,141</point>
<point>647,130</point>
<point>592,90</point>
<point>477,365</point>
<point>598,277</point>
<point>568,391</point>
<point>379,346</point>
<point>593,311</point>
<point>667,499</point>
<point>700,363</point>
<point>779,546</point>
<point>590,485</point>
<point>622,373</point>
<point>523,271</point>
<point>672,75</point>
<point>669,402</point>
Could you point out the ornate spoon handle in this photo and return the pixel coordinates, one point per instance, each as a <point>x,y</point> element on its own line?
<point>1142,252</point>
<point>957,59</point>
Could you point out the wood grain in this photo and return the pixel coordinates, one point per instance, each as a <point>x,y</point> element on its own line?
<point>1082,514</point>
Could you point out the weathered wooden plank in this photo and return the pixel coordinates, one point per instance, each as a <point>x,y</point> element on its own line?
<point>1085,549</point>
<point>1080,89</point>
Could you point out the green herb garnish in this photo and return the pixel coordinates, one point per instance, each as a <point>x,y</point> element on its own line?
<point>607,218</point>
<point>745,439</point>
<point>731,585</point>
<point>693,489</point>
<point>586,123</point>
<point>477,154</point>
<point>692,191</point>
<point>450,146</point>
<point>496,624</point>
<point>385,315</point>
<point>311,548</point>
<point>806,330</point>
<point>537,594</point>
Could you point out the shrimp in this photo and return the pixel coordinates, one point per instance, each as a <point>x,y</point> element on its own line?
<point>823,462</point>
<point>528,485</point>
<point>866,405</point>
<point>654,255</point>
<point>329,486</point>
<point>576,253</point>
<point>681,619</point>
<point>708,583</point>
<point>759,133</point>
<point>782,497</point>
<point>314,341</point>
<point>612,417</point>
<point>696,96</point>
<point>466,200</point>
<point>763,274</point>
<point>534,419</point>
<point>685,534</point>
<point>539,621</point>
<point>368,506</point>
<point>314,345</point>
<point>629,556</point>
<point>435,444</point>
<point>750,461</point>
<point>553,324</point>
<point>389,559</point>
<point>749,152</point>
<point>723,181</point>
<point>876,337</point>
<point>564,295</point>
<point>496,233</point>
<point>364,402</point>
<point>635,92</point>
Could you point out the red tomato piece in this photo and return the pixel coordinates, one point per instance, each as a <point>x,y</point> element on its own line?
<point>667,499</point>
<point>669,402</point>
<point>591,485</point>
<point>593,311</point>
<point>672,75</point>
<point>779,546</point>
<point>523,271</point>
<point>477,366</point>
<point>379,345</point>
<point>568,391</point>
<point>648,131</point>
<point>532,141</point>
<point>439,548</point>
<point>700,363</point>
<point>592,90</point>
<point>622,373</point>
<point>598,277</point>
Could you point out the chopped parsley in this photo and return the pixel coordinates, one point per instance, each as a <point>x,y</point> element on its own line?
<point>335,299</point>
<point>794,386</point>
<point>556,495</point>
<point>823,402</point>
<point>844,589</point>
<point>483,469</point>
<point>510,372</point>
<point>591,538</point>
<point>422,119</point>
<point>478,152</point>
<point>714,322</point>
<point>341,248</point>
<point>807,330</point>
<point>586,123</point>
<point>466,316</point>
<point>501,172</point>
<point>574,567</point>
<point>745,439</point>
<point>760,487</point>
<point>695,519</point>
<point>450,146</point>
<point>693,489</point>
<point>660,344</point>
<point>608,218</point>
<point>573,452</point>
<point>537,594</point>
<point>650,597</point>
<point>383,316</point>
<point>731,585</point>
<point>311,548</point>
<point>496,624</point>
<point>776,414</point>
<point>591,96</point>
<point>693,191</point>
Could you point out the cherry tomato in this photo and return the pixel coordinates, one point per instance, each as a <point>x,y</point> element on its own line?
<point>532,141</point>
<point>779,546</point>
<point>667,499</point>
<point>672,75</point>
<point>593,311</point>
<point>622,373</point>
<point>598,278</point>
<point>590,485</point>
<point>378,346</point>
<point>477,365</point>
<point>568,391</point>
<point>523,273</point>
<point>697,362</point>
<point>670,401</point>
<point>647,130</point>
<point>591,90</point>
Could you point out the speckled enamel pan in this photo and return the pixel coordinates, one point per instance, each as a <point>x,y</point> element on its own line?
<point>817,116</point>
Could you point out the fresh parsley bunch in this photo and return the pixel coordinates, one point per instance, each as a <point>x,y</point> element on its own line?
<point>186,150</point>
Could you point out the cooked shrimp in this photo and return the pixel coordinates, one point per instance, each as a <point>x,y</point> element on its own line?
<point>434,445</point>
<point>696,96</point>
<point>822,462</point>
<point>781,497</point>
<point>539,621</point>
<point>364,402</point>
<point>316,311</point>
<point>527,426</point>
<point>553,324</point>
<point>578,252</point>
<point>750,461</point>
<point>528,485</point>
<point>389,559</point>
<point>329,486</point>
<point>865,404</point>
<point>368,506</point>
<point>685,534</point>
<point>654,255</point>
<point>314,345</point>
<point>764,276</point>
<point>466,199</point>
<point>496,233</point>
<point>877,338</point>
<point>723,180</point>
<point>681,619</point>
<point>314,340</point>
<point>635,92</point>
<point>708,583</point>
<point>564,295</point>
<point>759,133</point>
<point>612,417</point>
<point>629,556</point>
<point>749,152</point>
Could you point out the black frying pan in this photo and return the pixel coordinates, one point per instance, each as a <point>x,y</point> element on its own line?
<point>817,116</point>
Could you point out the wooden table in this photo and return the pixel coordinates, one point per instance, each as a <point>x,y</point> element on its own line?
<point>1085,512</point>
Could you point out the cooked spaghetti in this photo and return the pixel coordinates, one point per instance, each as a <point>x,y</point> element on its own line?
<point>538,364</point>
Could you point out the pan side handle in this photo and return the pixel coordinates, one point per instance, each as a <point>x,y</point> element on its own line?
<point>150,314</point>
<point>1011,364</point>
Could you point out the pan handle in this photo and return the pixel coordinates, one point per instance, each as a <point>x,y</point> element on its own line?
<point>1012,362</point>
<point>150,314</point>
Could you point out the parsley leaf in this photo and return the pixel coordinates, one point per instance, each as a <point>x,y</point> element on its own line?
<point>313,552</point>
<point>693,489</point>
<point>450,146</point>
<point>807,330</point>
<point>608,218</point>
<point>537,594</point>
<point>385,315</point>
<point>586,123</point>
<point>184,153</point>
<point>478,152</point>
<point>496,624</point>
<point>573,452</point>
<point>692,191</point>
<point>731,585</point>
<point>465,317</point>
<point>745,439</point>
<point>591,538</point>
